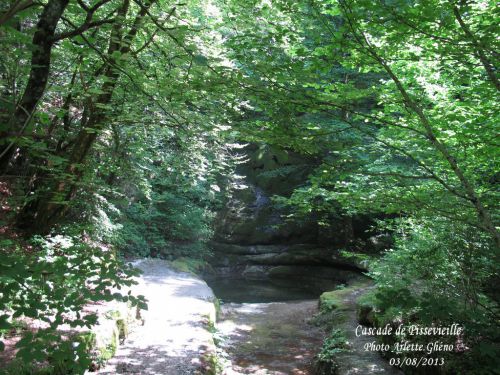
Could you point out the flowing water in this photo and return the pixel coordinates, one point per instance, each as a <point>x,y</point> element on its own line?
<point>265,326</point>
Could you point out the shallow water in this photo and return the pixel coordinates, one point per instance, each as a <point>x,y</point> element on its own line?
<point>266,330</point>
<point>242,290</point>
<point>269,338</point>
<point>265,325</point>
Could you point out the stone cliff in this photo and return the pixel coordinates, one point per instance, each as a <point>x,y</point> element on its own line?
<point>253,239</point>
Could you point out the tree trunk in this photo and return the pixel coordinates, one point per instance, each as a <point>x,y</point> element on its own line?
<point>39,74</point>
<point>50,207</point>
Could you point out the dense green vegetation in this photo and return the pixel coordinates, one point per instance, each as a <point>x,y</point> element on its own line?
<point>119,129</point>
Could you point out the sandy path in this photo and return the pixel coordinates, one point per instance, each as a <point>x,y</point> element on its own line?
<point>174,336</point>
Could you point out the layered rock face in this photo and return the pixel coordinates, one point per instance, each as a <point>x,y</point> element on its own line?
<point>253,239</point>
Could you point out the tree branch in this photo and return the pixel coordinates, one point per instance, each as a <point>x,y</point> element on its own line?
<point>413,106</point>
<point>81,29</point>
<point>399,175</point>
<point>18,6</point>
<point>87,24</point>
<point>488,66</point>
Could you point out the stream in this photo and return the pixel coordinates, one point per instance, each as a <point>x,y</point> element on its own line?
<point>264,326</point>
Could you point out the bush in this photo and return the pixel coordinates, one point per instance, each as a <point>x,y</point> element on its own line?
<point>51,284</point>
<point>439,274</point>
<point>170,225</point>
<point>325,361</point>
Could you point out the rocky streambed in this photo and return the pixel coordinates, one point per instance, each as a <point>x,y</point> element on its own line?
<point>264,327</point>
<point>269,328</point>
<point>269,338</point>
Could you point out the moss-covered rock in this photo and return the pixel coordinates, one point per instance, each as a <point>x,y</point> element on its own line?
<point>108,351</point>
<point>210,361</point>
<point>366,310</point>
<point>336,306</point>
<point>329,301</point>
<point>189,265</point>
<point>338,299</point>
<point>112,328</point>
<point>123,329</point>
<point>86,338</point>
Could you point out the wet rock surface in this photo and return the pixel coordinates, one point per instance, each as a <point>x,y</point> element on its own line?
<point>270,338</point>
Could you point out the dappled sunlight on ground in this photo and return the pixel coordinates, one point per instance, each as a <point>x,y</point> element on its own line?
<point>153,360</point>
<point>269,338</point>
<point>174,337</point>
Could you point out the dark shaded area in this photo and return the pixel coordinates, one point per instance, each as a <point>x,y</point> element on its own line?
<point>244,290</point>
<point>254,239</point>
